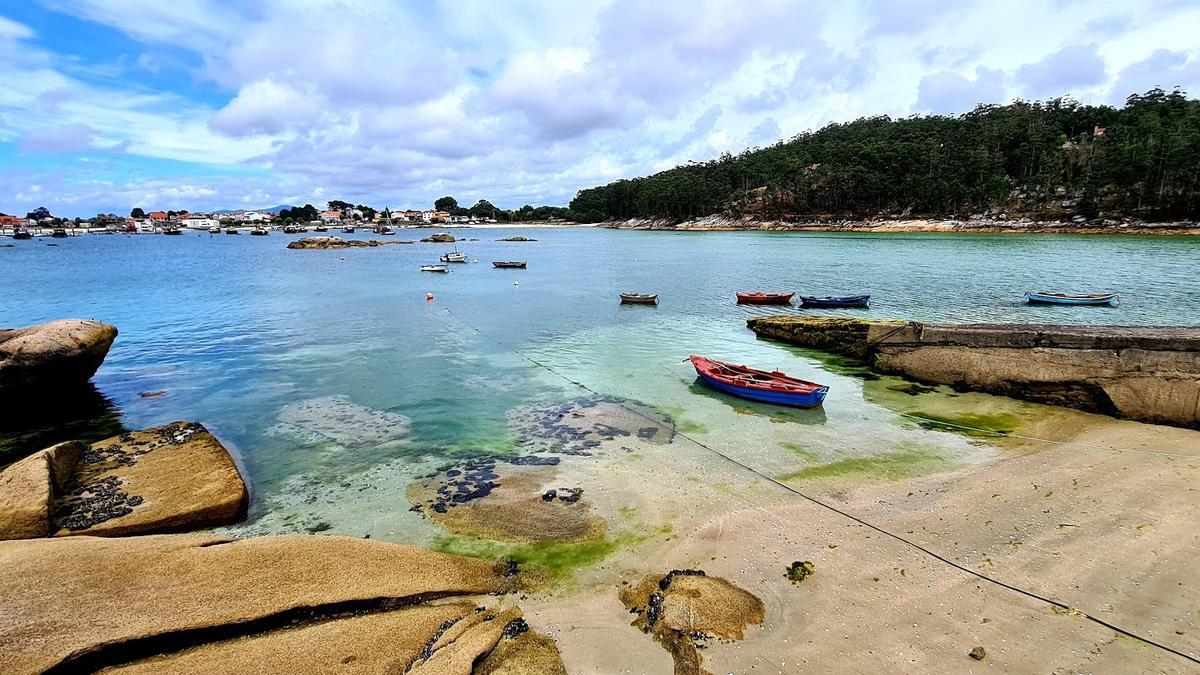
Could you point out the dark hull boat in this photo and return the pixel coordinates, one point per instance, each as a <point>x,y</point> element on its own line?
<point>834,302</point>
<point>759,385</point>
<point>1099,299</point>
<point>22,233</point>
<point>638,299</point>
<point>509,264</point>
<point>232,230</point>
<point>765,298</point>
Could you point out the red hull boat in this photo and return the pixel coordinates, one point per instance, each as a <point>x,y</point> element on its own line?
<point>764,298</point>
<point>759,385</point>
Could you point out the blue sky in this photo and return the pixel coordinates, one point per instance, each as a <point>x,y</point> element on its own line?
<point>204,104</point>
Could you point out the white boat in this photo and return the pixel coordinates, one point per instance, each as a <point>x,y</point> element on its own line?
<point>435,268</point>
<point>454,257</point>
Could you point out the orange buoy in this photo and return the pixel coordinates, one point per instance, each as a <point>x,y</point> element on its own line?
<point>429,296</point>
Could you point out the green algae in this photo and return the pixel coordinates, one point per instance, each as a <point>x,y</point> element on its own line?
<point>910,460</point>
<point>802,451</point>
<point>688,427</point>
<point>967,423</point>
<point>559,561</point>
<point>799,571</point>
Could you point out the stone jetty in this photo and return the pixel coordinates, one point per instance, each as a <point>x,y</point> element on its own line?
<point>59,353</point>
<point>1149,374</point>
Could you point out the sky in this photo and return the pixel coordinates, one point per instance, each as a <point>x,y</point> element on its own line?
<point>106,105</point>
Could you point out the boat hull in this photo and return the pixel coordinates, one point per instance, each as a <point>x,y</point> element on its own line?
<point>765,298</point>
<point>634,299</point>
<point>509,265</point>
<point>810,400</point>
<point>435,268</point>
<point>1103,300</point>
<point>862,301</point>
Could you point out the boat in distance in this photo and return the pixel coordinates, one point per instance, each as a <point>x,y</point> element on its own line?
<point>833,302</point>
<point>260,232</point>
<point>435,268</point>
<point>1097,299</point>
<point>761,298</point>
<point>454,257</point>
<point>231,230</point>
<point>639,299</point>
<point>759,385</point>
<point>509,264</point>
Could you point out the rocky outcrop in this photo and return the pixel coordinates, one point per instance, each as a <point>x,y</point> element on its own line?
<point>336,242</point>
<point>59,353</point>
<point>82,603</point>
<point>440,237</point>
<point>516,238</point>
<point>981,224</point>
<point>166,479</point>
<point>1150,374</point>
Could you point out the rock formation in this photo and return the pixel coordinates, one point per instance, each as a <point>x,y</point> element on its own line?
<point>59,353</point>
<point>1150,374</point>
<point>166,479</point>
<point>325,242</point>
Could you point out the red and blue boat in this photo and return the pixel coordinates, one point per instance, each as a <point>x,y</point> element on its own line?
<point>835,302</point>
<point>760,298</point>
<point>759,385</point>
<point>1101,299</point>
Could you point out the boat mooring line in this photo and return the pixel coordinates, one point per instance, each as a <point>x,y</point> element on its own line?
<point>876,528</point>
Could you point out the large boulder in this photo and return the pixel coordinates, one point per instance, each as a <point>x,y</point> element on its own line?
<point>64,352</point>
<point>165,479</point>
<point>81,603</point>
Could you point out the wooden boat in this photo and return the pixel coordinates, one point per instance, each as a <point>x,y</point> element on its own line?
<point>172,230</point>
<point>759,385</point>
<point>834,302</point>
<point>215,229</point>
<point>638,299</point>
<point>290,229</point>
<point>349,229</point>
<point>435,268</point>
<point>761,298</point>
<point>1108,299</point>
<point>260,232</point>
<point>454,257</point>
<point>509,264</point>
<point>383,229</point>
<point>231,230</point>
<point>320,228</point>
<point>22,233</point>
<point>58,233</point>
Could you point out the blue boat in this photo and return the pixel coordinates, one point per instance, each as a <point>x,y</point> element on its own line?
<point>759,385</point>
<point>833,302</point>
<point>1100,299</point>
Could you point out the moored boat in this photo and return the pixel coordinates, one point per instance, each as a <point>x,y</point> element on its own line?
<point>509,264</point>
<point>259,232</point>
<point>231,230</point>
<point>1097,299</point>
<point>320,228</point>
<point>759,385</point>
<point>58,233</point>
<point>435,268</point>
<point>761,298</point>
<point>215,229</point>
<point>22,233</point>
<point>171,229</point>
<point>454,257</point>
<point>833,302</point>
<point>349,229</point>
<point>639,299</point>
<point>290,229</point>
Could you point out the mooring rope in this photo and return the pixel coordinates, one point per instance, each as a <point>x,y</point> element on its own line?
<point>861,521</point>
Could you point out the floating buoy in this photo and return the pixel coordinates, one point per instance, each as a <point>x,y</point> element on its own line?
<point>429,296</point>
<point>516,283</point>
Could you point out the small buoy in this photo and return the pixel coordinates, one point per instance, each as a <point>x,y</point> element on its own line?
<point>429,296</point>
<point>516,283</point>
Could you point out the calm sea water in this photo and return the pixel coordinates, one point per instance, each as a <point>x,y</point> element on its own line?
<point>234,329</point>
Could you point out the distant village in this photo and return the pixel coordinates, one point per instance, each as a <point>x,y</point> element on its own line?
<point>338,214</point>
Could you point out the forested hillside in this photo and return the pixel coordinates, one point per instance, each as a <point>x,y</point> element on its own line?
<point>1050,158</point>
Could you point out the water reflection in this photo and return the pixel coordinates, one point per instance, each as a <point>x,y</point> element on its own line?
<point>772,412</point>
<point>33,423</point>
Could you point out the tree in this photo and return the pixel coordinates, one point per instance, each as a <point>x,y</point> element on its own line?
<point>40,213</point>
<point>483,209</point>
<point>446,203</point>
<point>339,205</point>
<point>137,213</point>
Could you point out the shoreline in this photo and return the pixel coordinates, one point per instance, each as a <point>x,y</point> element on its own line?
<point>907,226</point>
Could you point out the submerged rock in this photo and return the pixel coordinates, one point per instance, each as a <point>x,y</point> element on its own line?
<point>516,238</point>
<point>326,242</point>
<point>580,427</point>
<point>337,419</point>
<point>55,354</point>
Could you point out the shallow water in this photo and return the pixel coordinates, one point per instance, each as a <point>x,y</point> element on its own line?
<point>256,341</point>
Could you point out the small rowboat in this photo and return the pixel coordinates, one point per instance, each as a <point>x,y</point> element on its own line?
<point>759,385</point>
<point>509,264</point>
<point>764,298</point>
<point>231,230</point>
<point>435,268</point>
<point>454,257</point>
<point>835,302</point>
<point>638,299</point>
<point>1108,299</point>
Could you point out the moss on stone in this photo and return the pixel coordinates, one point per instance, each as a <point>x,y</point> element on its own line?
<point>802,451</point>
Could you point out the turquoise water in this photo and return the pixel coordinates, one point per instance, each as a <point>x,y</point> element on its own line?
<point>236,329</point>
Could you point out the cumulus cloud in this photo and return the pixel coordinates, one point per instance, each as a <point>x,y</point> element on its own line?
<point>1067,70</point>
<point>948,92</point>
<point>267,107</point>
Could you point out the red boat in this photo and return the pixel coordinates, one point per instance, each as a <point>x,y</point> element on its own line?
<point>761,298</point>
<point>759,385</point>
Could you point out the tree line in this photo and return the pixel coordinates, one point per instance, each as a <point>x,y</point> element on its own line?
<point>1035,157</point>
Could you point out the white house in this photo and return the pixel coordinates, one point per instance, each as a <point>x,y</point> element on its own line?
<point>458,219</point>
<point>254,216</point>
<point>198,221</point>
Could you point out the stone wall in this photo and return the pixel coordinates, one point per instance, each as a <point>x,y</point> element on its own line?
<point>1150,374</point>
